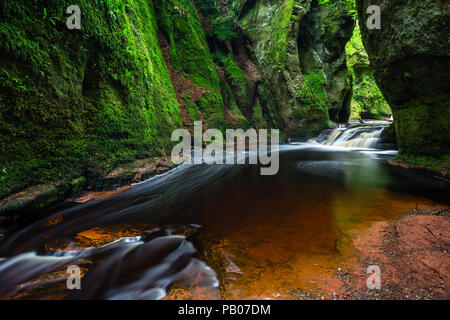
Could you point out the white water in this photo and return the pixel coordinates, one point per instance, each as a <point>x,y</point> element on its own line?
<point>366,137</point>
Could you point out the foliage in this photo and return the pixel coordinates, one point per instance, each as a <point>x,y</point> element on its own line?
<point>313,91</point>
<point>224,29</point>
<point>234,73</point>
<point>368,100</point>
<point>349,5</point>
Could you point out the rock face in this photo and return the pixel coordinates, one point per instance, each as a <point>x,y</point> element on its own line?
<point>368,101</point>
<point>323,35</point>
<point>79,103</point>
<point>411,59</point>
<point>73,102</point>
<point>299,49</point>
<point>190,62</point>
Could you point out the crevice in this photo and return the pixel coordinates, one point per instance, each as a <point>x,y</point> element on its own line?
<point>247,7</point>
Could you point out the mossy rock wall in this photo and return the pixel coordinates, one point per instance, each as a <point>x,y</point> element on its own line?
<point>323,34</point>
<point>78,103</point>
<point>368,101</point>
<point>411,58</point>
<point>190,56</point>
<point>299,49</point>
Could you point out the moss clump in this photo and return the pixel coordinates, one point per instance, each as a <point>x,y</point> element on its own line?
<point>349,5</point>
<point>239,86</point>
<point>313,91</point>
<point>314,109</point>
<point>224,29</point>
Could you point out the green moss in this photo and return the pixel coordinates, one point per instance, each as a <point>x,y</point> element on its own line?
<point>239,87</point>
<point>224,29</point>
<point>192,108</point>
<point>80,102</point>
<point>209,8</point>
<point>240,121</point>
<point>368,100</point>
<point>235,75</point>
<point>422,130</point>
<point>313,96</point>
<point>278,34</point>
<point>190,55</point>
<point>313,89</point>
<point>349,5</point>
<point>440,166</point>
<point>258,120</point>
<point>313,108</point>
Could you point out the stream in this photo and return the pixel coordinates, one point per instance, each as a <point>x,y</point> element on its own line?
<point>221,231</point>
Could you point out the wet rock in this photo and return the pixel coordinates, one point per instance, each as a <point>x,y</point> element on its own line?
<point>429,166</point>
<point>323,35</point>
<point>27,205</point>
<point>134,172</point>
<point>388,138</point>
<point>24,206</point>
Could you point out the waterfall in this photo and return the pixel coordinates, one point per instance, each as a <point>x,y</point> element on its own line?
<point>364,136</point>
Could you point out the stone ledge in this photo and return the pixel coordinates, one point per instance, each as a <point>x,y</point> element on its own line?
<point>25,206</point>
<point>439,169</point>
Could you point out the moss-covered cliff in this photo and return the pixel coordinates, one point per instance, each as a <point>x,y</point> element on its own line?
<point>193,72</point>
<point>298,48</point>
<point>74,102</point>
<point>77,103</point>
<point>368,101</point>
<point>410,55</point>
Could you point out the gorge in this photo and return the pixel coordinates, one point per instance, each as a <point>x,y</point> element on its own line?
<point>86,119</point>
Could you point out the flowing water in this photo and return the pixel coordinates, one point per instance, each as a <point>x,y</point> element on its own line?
<point>355,136</point>
<point>220,231</point>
